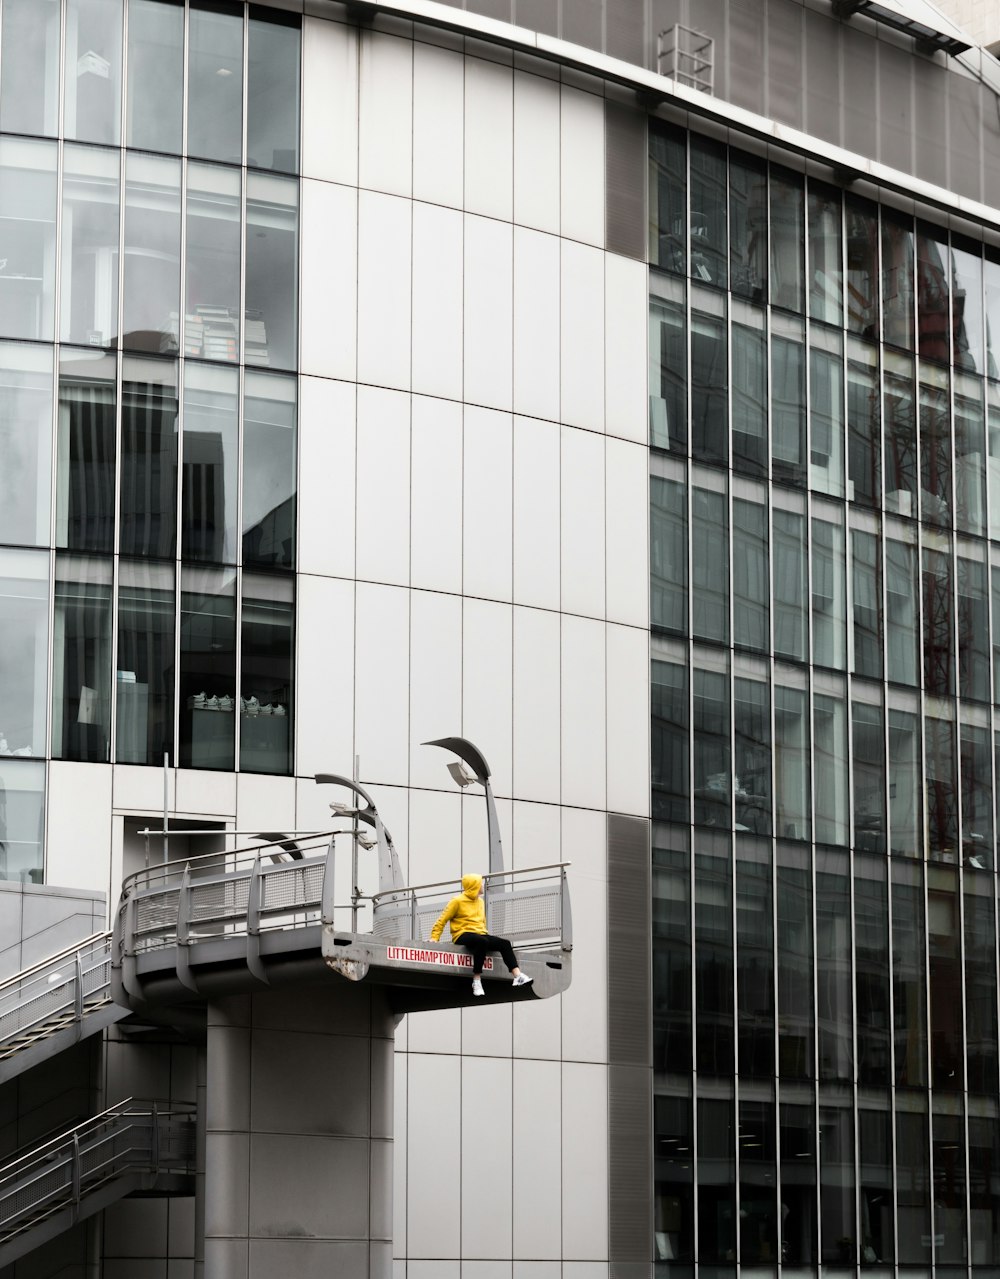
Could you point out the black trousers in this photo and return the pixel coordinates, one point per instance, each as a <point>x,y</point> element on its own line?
<point>481,944</point>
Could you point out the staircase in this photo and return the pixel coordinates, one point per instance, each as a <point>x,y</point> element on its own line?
<point>54,1004</point>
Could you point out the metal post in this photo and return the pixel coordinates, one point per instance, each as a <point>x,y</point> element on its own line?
<point>78,991</point>
<point>354,855</point>
<point>166,804</point>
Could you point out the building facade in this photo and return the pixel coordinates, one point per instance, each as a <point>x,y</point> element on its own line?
<point>615,384</point>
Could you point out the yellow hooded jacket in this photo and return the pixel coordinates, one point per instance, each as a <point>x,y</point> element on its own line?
<point>466,913</point>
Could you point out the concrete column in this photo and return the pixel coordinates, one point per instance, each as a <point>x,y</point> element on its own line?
<point>298,1160</point>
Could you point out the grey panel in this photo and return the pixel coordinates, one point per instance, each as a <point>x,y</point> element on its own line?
<point>538,15</point>
<point>305,1259</point>
<point>964,133</point>
<point>930,120</point>
<point>630,1165</point>
<point>625,180</point>
<point>745,54</point>
<point>629,945</point>
<point>500,9</point>
<point>895,135</point>
<point>226,1258</point>
<point>308,1187</point>
<point>859,92</point>
<point>784,62</point>
<point>228,1083</point>
<point>383,1064</point>
<point>583,23</point>
<point>630,1270</point>
<point>380,1190</point>
<point>326,1092</point>
<point>822,80</point>
<point>625,25</point>
<point>991,147</point>
<point>227,1173</point>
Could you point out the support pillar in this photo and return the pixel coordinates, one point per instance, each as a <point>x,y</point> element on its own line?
<point>298,1157</point>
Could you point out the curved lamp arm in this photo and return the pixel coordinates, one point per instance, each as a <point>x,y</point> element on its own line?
<point>473,756</point>
<point>390,876</point>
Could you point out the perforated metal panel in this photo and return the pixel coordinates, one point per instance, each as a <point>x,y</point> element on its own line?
<point>625,180</point>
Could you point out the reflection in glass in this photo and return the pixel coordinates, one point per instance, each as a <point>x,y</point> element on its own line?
<point>864,443</point>
<point>673,1210</point>
<point>212,272</point>
<point>89,286</point>
<point>749,400</point>
<point>869,777</point>
<point>93,59</point>
<point>939,614</point>
<point>906,803</point>
<point>668,554</point>
<point>791,763</point>
<point>933,305</point>
<point>970,456</point>
<point>709,388</point>
<point>900,437</point>
<point>837,1186</point>
<point>751,593</point>
<point>667,202</point>
<point>155,75</point>
<point>935,449</point>
<point>755,959</point>
<point>795,976</point>
<point>984,1189</point>
<point>211,463</point>
<point>866,601</point>
<point>788,409</point>
<point>875,1167</point>
<point>871,977</point>
<point>948,1151</point>
<point>145,673</point>
<point>830,769</point>
<point>149,458</point>
<point>709,566</point>
<point>748,226</point>
<point>973,631</point>
<point>758,1204</point>
<point>862,267</point>
<point>826,422</point>
<point>270,333</point>
<point>208,669</point>
<point>944,933</point>
<point>798,1184</point>
<point>215,81</point>
<point>901,611</point>
<point>829,594</point>
<point>980,986</point>
<point>24,623</point>
<point>713,775</point>
<point>716,1181</point>
<point>713,954</point>
<point>671,952</point>
<point>940,783</point>
<point>991,280</point>
<point>897,279</point>
<point>909,999</point>
<point>669,743</point>
<point>267,666</point>
<point>151,286</point>
<point>752,779</point>
<point>269,462</point>
<point>709,234</point>
<point>967,304</point>
<point>273,91</point>
<point>826,258</point>
<point>913,1209</point>
<point>81,664</point>
<point>28,232</point>
<point>667,378</point>
<point>787,233</point>
<point>29,67</point>
<point>977,802</point>
<point>790,585</point>
<point>85,463</point>
<point>22,820</point>
<point>25,443</point>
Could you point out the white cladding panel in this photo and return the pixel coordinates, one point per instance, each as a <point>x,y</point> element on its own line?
<point>438,125</point>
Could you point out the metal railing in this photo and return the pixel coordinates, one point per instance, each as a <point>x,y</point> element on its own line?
<point>55,992</point>
<point>130,1138</point>
<point>531,907</point>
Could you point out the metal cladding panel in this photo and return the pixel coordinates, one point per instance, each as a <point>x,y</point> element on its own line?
<point>630,1168</point>
<point>625,27</point>
<point>625,181</point>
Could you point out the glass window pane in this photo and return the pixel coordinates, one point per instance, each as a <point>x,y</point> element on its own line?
<point>866,604</point>
<point>787,233</point>
<point>830,769</point>
<point>991,283</point>
<point>271,336</point>
<point>85,464</point>
<point>967,320</point>
<point>906,803</point>
<point>716,1181</point>
<point>25,443</point>
<point>941,784</point>
<point>758,1199</point>
<point>748,227</point>
<point>752,761</point>
<point>24,622</point>
<point>901,611</point>
<point>29,67</point>
<point>92,110</point>
<point>81,663</point>
<point>749,400</point>
<point>790,584</point>
<point>751,591</point>
<point>674,1206</point>
<point>667,202</point>
<point>266,682</point>
<point>149,458</point>
<point>835,1011</point>
<point>798,1184</point>
<point>22,820</point>
<point>670,724</point>
<point>993,445</point>
<point>795,976</point>
<point>28,230</point>
<point>709,566</point>
<point>970,456</point>
<point>935,451</point>
<point>868,732</point>
<point>939,615</point>
<point>897,279</point>
<point>862,267</point>
<point>211,464</point>
<point>212,275</point>
<point>208,669</point>
<point>709,234</point>
<point>709,388</point>
<point>155,75</point>
<point>89,297</point>
<point>984,1189</point>
<point>713,775</point>
<point>788,409</point>
<point>977,806</point>
<point>269,462</point>
<point>944,932</point>
<point>668,383</point>
<point>933,303</point>
<point>980,985</point>
<point>871,974</point>
<point>151,287</point>
<point>826,255</point>
<point>273,91</point>
<point>973,631</point>
<point>826,422</point>
<point>948,1128</point>
<point>713,953</point>
<point>671,953</point>
<point>668,554</point>
<point>864,443</point>
<point>215,81</point>
<point>829,595</point>
<point>900,437</point>
<point>755,959</point>
<point>145,684</point>
<point>913,1208</point>
<point>908,975</point>
<point>791,763</point>
<point>837,1186</point>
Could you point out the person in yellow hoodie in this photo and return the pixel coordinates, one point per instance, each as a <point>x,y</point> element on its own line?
<point>466,914</point>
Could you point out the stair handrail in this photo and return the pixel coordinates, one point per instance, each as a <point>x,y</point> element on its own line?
<point>26,973</point>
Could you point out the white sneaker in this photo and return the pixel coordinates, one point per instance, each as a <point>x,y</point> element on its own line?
<point>477,988</point>
<point>522,979</point>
